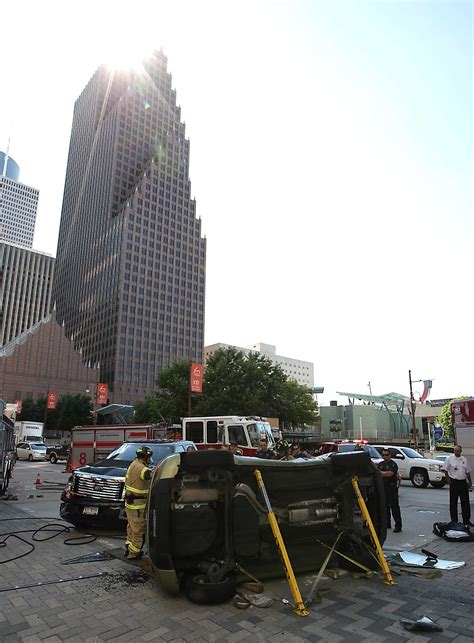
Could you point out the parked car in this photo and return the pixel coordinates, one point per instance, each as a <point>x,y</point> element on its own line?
<point>348,446</point>
<point>442,457</point>
<point>57,452</point>
<point>415,467</point>
<point>96,493</point>
<point>30,451</point>
<point>206,517</point>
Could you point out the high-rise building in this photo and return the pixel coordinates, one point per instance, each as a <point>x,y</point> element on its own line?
<point>130,269</point>
<point>18,205</point>
<point>26,278</point>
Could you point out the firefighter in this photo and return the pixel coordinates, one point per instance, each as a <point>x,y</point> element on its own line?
<point>137,486</point>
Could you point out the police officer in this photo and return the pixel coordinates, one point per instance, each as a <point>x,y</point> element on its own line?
<point>458,476</point>
<point>137,486</point>
<point>389,470</point>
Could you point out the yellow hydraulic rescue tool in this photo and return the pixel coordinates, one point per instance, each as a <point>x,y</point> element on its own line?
<point>365,512</point>
<point>299,609</point>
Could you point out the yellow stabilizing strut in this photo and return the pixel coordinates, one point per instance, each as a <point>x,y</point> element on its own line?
<point>365,512</point>
<point>300,609</point>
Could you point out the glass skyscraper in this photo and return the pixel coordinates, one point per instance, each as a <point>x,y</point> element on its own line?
<point>130,270</point>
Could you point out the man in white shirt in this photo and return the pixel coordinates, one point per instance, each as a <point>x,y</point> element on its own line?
<point>458,476</point>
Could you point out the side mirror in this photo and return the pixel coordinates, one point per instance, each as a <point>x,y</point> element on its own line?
<point>398,456</point>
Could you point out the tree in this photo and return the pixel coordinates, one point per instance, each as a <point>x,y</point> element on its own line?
<point>32,410</point>
<point>239,384</point>
<point>170,402</point>
<point>234,384</point>
<point>71,410</point>
<point>445,417</point>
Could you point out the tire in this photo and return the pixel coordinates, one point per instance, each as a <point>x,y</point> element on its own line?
<point>30,458</point>
<point>53,458</point>
<point>419,478</point>
<point>438,485</point>
<point>203,593</point>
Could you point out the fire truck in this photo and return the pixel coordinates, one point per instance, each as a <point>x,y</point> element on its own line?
<point>7,448</point>
<point>219,432</point>
<point>462,415</point>
<point>92,443</point>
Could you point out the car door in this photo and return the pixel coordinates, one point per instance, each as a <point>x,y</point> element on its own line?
<point>22,451</point>
<point>402,462</point>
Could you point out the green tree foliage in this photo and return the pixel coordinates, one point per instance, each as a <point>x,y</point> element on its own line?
<point>170,402</point>
<point>445,418</point>
<point>32,410</point>
<point>71,410</point>
<point>234,384</point>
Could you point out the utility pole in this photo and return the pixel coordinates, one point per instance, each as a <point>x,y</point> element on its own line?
<point>412,407</point>
<point>370,387</point>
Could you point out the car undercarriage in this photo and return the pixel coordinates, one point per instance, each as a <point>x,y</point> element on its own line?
<point>207,521</point>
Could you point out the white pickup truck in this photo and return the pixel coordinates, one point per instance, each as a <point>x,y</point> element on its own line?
<point>413,466</point>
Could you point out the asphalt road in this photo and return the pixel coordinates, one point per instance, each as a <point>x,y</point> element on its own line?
<point>420,507</point>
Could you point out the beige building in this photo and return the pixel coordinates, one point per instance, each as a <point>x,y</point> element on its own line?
<point>296,369</point>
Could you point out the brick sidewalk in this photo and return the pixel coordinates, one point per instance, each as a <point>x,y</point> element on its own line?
<point>125,605</point>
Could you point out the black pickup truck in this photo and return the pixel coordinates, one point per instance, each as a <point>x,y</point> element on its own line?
<point>57,452</point>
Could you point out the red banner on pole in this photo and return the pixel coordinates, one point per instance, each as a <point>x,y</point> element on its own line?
<point>18,406</point>
<point>52,400</point>
<point>195,379</point>
<point>102,393</point>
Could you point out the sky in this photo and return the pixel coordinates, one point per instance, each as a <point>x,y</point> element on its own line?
<point>331,162</point>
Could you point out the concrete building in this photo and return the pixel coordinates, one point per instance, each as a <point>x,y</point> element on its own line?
<point>18,205</point>
<point>25,289</point>
<point>131,261</point>
<point>297,369</point>
<point>43,359</point>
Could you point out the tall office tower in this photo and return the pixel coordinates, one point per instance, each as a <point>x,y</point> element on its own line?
<point>18,205</point>
<point>26,278</point>
<point>130,269</point>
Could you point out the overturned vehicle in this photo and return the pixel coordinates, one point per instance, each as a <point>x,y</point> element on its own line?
<point>207,521</point>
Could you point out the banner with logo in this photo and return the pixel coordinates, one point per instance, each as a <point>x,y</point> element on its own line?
<point>18,406</point>
<point>195,379</point>
<point>52,400</point>
<point>102,393</point>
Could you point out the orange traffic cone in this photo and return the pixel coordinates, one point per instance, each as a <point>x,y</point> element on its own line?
<point>38,481</point>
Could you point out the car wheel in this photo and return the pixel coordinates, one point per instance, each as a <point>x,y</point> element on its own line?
<point>419,478</point>
<point>30,458</point>
<point>53,458</point>
<point>438,485</point>
<point>202,592</point>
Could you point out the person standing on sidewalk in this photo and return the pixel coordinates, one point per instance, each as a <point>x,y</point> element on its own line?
<point>137,486</point>
<point>458,476</point>
<point>389,471</point>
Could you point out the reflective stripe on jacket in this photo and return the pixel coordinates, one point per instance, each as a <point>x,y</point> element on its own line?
<point>137,485</point>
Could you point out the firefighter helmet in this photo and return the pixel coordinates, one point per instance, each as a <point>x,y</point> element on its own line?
<point>144,452</point>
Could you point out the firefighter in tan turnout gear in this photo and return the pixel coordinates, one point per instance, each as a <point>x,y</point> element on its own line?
<point>137,486</point>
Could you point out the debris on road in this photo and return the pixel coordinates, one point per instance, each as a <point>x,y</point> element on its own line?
<point>422,624</point>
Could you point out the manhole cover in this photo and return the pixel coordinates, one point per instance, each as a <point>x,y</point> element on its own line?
<point>426,511</point>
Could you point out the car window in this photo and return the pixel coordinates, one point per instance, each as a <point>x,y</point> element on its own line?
<point>236,434</point>
<point>254,435</point>
<point>211,431</point>
<point>195,431</point>
<point>372,451</point>
<point>38,447</point>
<point>394,452</point>
<point>128,451</point>
<point>343,448</point>
<point>411,453</point>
